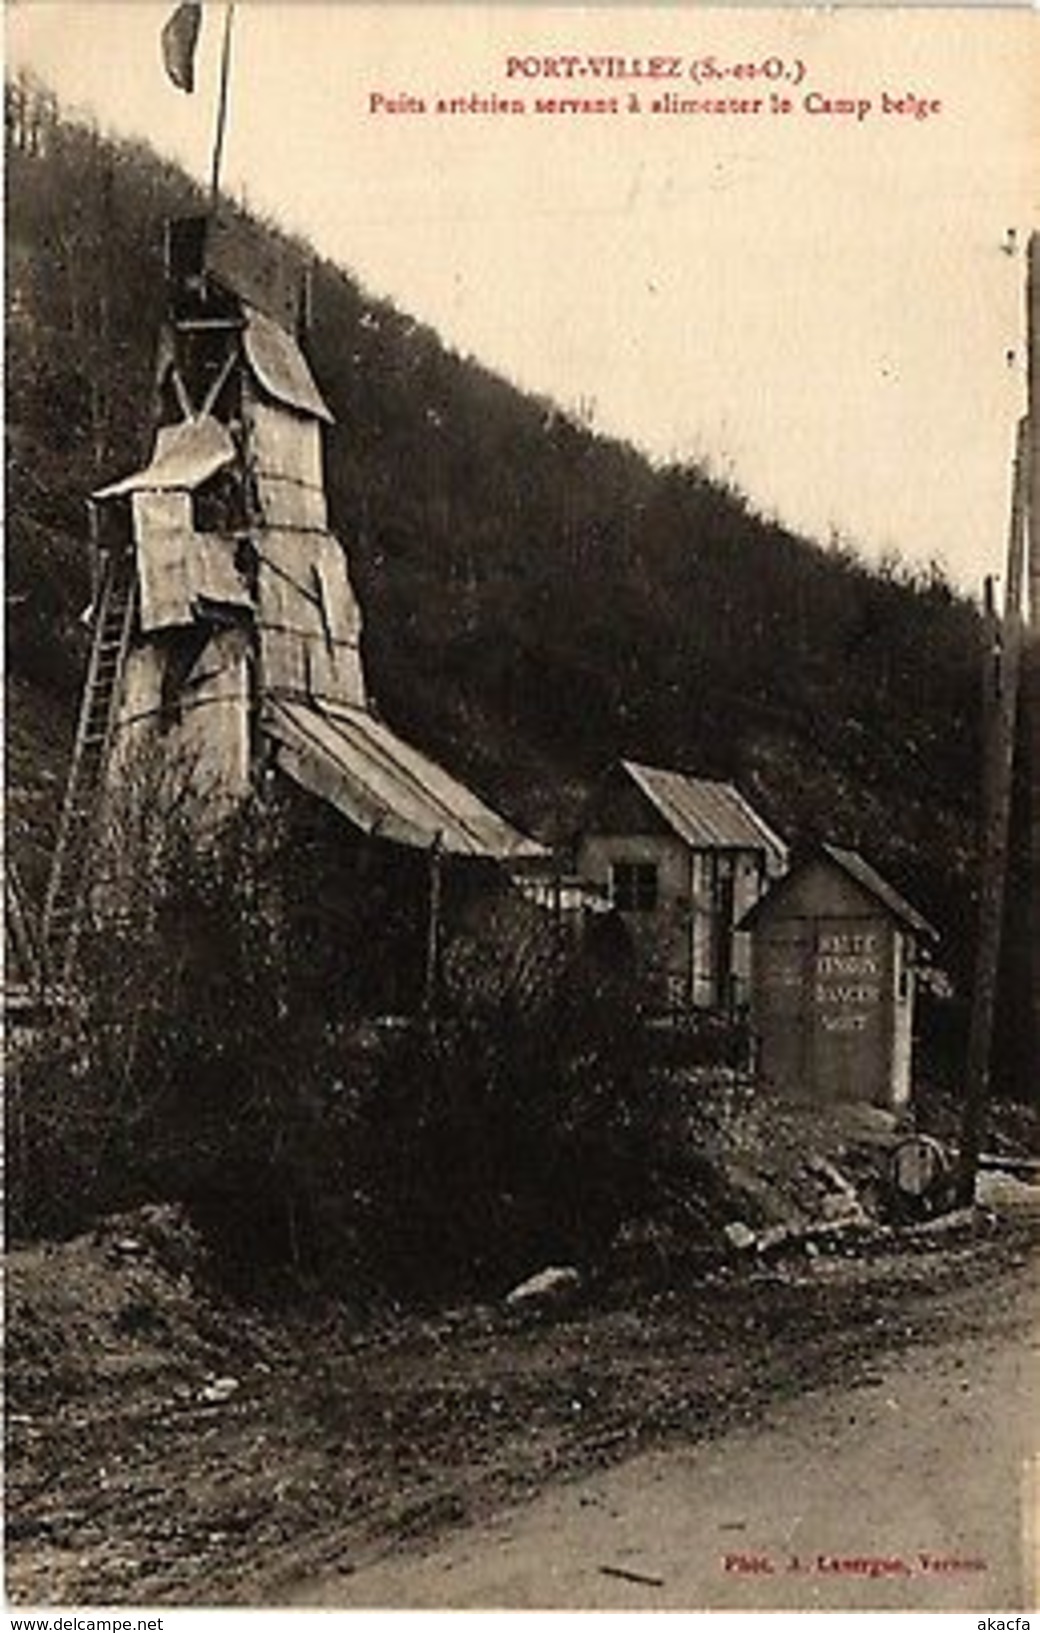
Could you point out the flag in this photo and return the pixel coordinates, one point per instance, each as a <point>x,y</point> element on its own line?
<point>179,39</point>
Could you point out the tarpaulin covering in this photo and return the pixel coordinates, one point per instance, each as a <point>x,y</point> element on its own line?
<point>179,570</point>
<point>309,620</point>
<point>288,466</point>
<point>193,690</point>
<point>186,455</point>
<point>280,367</point>
<point>386,787</point>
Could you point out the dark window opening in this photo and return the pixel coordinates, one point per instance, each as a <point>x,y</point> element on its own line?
<point>219,506</point>
<point>247,562</point>
<point>183,652</point>
<point>634,886</point>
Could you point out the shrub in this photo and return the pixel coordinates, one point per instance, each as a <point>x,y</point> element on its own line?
<point>507,1132</point>
<point>198,1060</point>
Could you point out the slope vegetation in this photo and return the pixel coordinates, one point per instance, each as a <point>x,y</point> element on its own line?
<point>538,599</point>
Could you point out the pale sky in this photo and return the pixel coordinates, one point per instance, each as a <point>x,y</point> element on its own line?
<point>815,304</point>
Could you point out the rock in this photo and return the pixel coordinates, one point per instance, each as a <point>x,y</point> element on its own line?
<point>739,1235</point>
<point>1001,1191</point>
<point>221,1389</point>
<point>844,1206</point>
<point>551,1286</point>
<point>775,1236</point>
<point>129,1247</point>
<point>964,1221</point>
<point>833,1176</point>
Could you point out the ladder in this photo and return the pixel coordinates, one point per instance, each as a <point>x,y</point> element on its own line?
<point>69,885</point>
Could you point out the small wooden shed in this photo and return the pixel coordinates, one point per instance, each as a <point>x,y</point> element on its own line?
<point>832,989</point>
<point>680,859</point>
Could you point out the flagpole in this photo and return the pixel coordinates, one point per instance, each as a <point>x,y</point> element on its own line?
<point>222,107</point>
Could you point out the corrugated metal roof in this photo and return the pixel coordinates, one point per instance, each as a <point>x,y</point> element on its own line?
<point>706,815</point>
<point>385,786</point>
<point>280,366</point>
<point>861,871</point>
<point>856,868</point>
<point>185,456</point>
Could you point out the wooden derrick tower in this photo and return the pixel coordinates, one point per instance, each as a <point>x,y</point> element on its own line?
<point>225,630</point>
<point>218,586</point>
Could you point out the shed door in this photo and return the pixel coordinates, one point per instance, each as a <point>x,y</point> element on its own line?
<point>851,1005</point>
<point>723,904</point>
<point>783,1014</point>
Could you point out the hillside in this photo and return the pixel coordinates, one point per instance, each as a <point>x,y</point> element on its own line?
<point>537,599</point>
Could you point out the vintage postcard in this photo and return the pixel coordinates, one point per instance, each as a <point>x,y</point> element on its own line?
<point>522,867</point>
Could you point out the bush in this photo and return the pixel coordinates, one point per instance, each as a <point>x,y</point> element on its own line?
<point>197,1061</point>
<point>506,1133</point>
<point>176,1065</point>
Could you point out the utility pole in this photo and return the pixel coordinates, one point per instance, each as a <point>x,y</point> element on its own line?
<point>1031,663</point>
<point>1000,708</point>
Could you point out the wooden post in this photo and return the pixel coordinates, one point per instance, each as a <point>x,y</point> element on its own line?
<point>433,931</point>
<point>1031,665</point>
<point>222,107</point>
<point>557,912</point>
<point>998,758</point>
<point>1033,421</point>
<point>691,932</point>
<point>991,661</point>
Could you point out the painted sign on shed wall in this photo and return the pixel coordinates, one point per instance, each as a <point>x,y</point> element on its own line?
<point>832,987</point>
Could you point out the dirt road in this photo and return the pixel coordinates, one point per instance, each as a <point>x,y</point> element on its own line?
<point>909,1490</point>
<point>871,1405</point>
